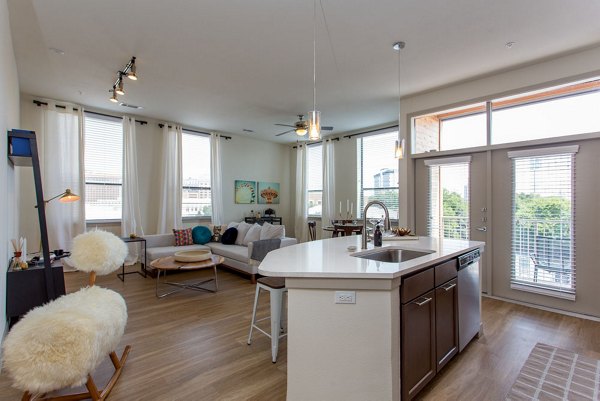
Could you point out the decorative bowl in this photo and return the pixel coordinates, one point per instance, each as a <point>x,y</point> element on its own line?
<point>400,231</point>
<point>192,256</point>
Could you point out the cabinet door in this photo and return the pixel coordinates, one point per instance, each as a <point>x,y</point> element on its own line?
<point>417,344</point>
<point>446,322</point>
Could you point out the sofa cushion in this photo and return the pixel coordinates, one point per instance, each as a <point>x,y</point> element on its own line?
<point>183,237</point>
<point>270,231</point>
<point>229,236</point>
<point>242,228</point>
<point>235,252</point>
<point>252,235</point>
<point>201,234</point>
<point>164,251</point>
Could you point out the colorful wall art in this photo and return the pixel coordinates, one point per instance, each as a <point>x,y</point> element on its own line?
<point>245,191</point>
<point>268,193</point>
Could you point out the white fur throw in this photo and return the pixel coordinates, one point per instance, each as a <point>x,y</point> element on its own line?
<point>98,251</point>
<point>57,345</point>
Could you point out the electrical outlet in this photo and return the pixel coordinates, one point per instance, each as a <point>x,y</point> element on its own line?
<point>345,297</point>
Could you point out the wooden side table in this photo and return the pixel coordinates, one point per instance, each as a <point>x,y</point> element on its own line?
<point>169,263</point>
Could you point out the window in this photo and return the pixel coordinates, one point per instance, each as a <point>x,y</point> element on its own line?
<point>314,178</point>
<point>103,167</point>
<point>378,173</point>
<point>569,109</point>
<point>543,221</point>
<point>458,128</point>
<point>448,209</point>
<point>195,173</point>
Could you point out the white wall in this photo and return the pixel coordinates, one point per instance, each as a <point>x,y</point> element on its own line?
<point>243,158</point>
<point>9,118</point>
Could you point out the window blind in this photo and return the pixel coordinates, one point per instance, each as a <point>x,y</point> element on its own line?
<point>103,167</point>
<point>543,224</point>
<point>448,199</point>
<point>378,174</point>
<point>195,173</point>
<point>315,180</point>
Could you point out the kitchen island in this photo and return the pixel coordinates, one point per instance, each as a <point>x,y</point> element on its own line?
<point>344,326</point>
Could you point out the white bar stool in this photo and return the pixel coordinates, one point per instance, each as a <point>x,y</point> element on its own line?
<point>276,288</point>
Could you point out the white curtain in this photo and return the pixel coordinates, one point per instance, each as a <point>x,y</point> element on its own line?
<point>170,191</point>
<point>61,149</point>
<point>131,220</point>
<point>328,208</point>
<point>216,189</point>
<point>301,215</point>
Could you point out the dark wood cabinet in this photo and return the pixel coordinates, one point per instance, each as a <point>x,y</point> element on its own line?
<point>429,325</point>
<point>264,219</point>
<point>446,322</point>
<point>418,358</point>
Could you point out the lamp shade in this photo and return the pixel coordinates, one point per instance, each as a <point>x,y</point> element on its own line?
<point>68,196</point>
<point>314,125</point>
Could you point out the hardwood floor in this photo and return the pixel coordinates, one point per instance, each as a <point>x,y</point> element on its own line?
<point>192,346</point>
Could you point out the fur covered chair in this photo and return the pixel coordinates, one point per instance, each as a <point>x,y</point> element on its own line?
<point>60,344</point>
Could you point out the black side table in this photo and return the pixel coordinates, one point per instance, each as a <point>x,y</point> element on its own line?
<point>143,272</point>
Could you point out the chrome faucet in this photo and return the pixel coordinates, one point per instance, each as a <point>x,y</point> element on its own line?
<point>386,224</point>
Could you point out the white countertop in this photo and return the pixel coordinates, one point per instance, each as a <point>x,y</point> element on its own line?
<point>330,258</point>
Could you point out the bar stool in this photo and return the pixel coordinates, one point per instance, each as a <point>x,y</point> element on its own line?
<point>312,230</point>
<point>276,288</point>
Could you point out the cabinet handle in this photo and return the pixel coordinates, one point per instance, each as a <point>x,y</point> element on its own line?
<point>427,300</point>
<point>448,288</point>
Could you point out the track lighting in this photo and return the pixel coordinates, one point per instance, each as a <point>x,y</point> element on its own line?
<point>118,87</point>
<point>113,98</point>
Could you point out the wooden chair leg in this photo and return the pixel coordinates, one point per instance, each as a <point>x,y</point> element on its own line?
<point>91,386</point>
<point>26,396</point>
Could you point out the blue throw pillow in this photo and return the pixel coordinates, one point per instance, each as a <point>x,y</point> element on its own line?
<point>201,235</point>
<point>229,236</point>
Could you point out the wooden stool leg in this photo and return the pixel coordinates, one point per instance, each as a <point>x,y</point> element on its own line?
<point>91,386</point>
<point>26,396</point>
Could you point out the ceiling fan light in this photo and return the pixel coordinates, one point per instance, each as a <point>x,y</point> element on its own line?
<point>314,125</point>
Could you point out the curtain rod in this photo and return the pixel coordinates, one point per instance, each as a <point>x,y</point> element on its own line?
<point>315,143</point>
<point>370,131</point>
<point>197,132</point>
<point>40,103</point>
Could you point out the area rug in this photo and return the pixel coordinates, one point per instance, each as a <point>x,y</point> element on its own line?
<point>553,374</point>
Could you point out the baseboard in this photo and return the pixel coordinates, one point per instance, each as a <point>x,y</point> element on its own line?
<point>545,308</point>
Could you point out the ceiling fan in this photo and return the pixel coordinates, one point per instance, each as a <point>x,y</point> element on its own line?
<point>300,127</point>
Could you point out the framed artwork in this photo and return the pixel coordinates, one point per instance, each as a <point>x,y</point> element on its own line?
<point>245,191</point>
<point>268,193</point>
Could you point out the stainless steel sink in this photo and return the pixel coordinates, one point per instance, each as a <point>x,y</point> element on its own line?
<point>391,254</point>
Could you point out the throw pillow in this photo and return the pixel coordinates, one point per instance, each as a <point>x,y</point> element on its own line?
<point>252,235</point>
<point>183,237</point>
<point>271,231</point>
<point>201,235</point>
<point>217,231</point>
<point>242,228</point>
<point>229,236</point>
<point>232,224</point>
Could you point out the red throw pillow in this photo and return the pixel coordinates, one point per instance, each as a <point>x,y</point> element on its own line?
<point>183,237</point>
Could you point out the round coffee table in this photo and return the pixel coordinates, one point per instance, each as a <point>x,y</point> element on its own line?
<point>162,265</point>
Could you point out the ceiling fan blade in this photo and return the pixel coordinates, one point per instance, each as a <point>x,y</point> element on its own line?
<point>327,128</point>
<point>285,125</point>
<point>290,130</point>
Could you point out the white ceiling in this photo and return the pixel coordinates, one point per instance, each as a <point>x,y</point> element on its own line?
<point>229,65</point>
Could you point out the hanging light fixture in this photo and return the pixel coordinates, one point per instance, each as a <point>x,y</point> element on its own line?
<point>399,148</point>
<point>314,116</point>
<point>131,74</point>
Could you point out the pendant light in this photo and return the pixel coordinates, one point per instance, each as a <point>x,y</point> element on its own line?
<point>314,116</point>
<point>399,148</point>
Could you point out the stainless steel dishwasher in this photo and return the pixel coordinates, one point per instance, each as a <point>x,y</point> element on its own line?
<point>469,298</point>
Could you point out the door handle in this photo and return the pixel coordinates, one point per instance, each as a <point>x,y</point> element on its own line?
<point>482,228</point>
<point>427,300</point>
<point>448,288</point>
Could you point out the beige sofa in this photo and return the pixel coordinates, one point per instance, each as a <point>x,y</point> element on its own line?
<point>237,257</point>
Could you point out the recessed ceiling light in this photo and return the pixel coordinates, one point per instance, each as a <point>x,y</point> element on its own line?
<point>131,106</point>
<point>509,45</point>
<point>57,51</point>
